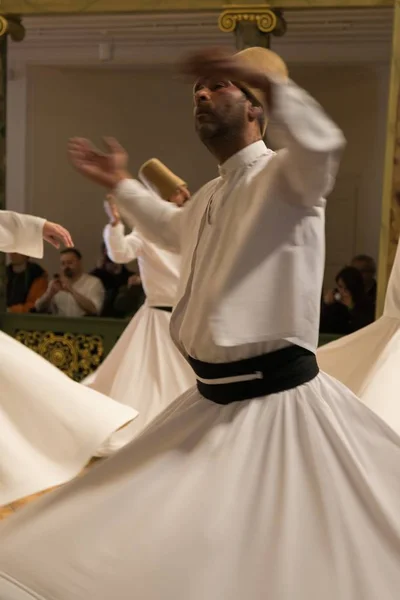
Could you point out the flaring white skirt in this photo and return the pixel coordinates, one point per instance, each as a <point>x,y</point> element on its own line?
<point>292,496</point>
<point>144,370</point>
<point>368,362</point>
<point>50,426</point>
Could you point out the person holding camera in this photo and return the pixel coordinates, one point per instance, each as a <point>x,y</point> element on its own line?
<point>73,293</point>
<point>348,307</point>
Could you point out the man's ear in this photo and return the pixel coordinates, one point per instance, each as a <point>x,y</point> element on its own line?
<point>255,112</point>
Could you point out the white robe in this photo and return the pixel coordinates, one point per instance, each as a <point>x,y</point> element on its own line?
<point>21,233</point>
<point>294,495</point>
<point>144,369</point>
<point>50,426</point>
<point>368,360</point>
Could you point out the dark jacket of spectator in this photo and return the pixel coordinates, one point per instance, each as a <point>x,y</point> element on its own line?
<point>113,277</point>
<point>347,308</point>
<point>26,282</point>
<point>130,297</point>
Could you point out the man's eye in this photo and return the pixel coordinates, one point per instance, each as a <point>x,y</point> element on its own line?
<point>219,85</point>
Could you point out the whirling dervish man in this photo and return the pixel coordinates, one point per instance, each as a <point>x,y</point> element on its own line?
<point>50,426</point>
<point>145,369</point>
<point>269,479</point>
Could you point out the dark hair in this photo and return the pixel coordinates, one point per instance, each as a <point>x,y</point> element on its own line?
<point>71,251</point>
<point>368,260</point>
<point>354,282</point>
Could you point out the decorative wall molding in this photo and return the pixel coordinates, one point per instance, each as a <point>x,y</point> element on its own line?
<point>352,35</point>
<point>140,6</point>
<point>262,16</point>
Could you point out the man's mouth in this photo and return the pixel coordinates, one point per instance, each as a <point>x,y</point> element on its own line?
<point>203,113</point>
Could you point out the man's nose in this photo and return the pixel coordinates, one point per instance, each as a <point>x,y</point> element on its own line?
<point>202,95</point>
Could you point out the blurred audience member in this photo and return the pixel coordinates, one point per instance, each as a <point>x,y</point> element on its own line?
<point>367,267</point>
<point>113,277</point>
<point>26,282</point>
<point>131,297</point>
<point>72,293</point>
<point>348,307</point>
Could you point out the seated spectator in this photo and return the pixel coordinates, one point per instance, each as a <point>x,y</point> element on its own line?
<point>113,277</point>
<point>367,267</point>
<point>348,307</point>
<point>72,293</point>
<point>26,282</point>
<point>130,297</point>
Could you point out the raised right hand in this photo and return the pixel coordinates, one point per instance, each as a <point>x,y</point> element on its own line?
<point>329,297</point>
<point>56,234</point>
<point>105,168</point>
<point>134,279</point>
<point>55,286</point>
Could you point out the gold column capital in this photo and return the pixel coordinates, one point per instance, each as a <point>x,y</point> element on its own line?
<point>263,17</point>
<point>12,25</point>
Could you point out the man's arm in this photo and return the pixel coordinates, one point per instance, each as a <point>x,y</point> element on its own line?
<point>43,304</point>
<point>121,248</point>
<point>21,233</point>
<point>91,305</point>
<point>85,303</point>
<point>159,221</point>
<point>25,234</point>
<point>312,143</point>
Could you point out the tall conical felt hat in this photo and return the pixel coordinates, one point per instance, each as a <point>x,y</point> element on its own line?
<point>156,175</point>
<point>264,60</point>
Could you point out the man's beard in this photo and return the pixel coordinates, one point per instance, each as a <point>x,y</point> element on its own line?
<point>217,132</point>
<point>68,273</point>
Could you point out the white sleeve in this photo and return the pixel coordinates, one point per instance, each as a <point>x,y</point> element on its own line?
<point>121,248</point>
<point>159,221</point>
<point>97,294</point>
<point>21,233</point>
<point>312,143</point>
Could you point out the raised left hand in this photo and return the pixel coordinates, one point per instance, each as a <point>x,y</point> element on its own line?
<point>56,235</point>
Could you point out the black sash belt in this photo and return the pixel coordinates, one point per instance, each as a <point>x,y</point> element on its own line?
<point>259,376</point>
<point>164,308</point>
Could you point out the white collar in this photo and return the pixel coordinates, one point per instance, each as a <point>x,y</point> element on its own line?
<point>244,158</point>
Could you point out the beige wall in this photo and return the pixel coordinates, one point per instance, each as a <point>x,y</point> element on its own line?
<point>356,97</point>
<point>150,113</point>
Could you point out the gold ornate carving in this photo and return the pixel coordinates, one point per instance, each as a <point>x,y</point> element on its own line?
<point>264,18</point>
<point>3,26</point>
<point>12,26</point>
<point>77,355</point>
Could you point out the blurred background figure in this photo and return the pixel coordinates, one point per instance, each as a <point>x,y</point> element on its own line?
<point>145,370</point>
<point>113,277</point>
<point>348,307</point>
<point>367,267</point>
<point>26,283</point>
<point>130,297</point>
<point>72,293</point>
